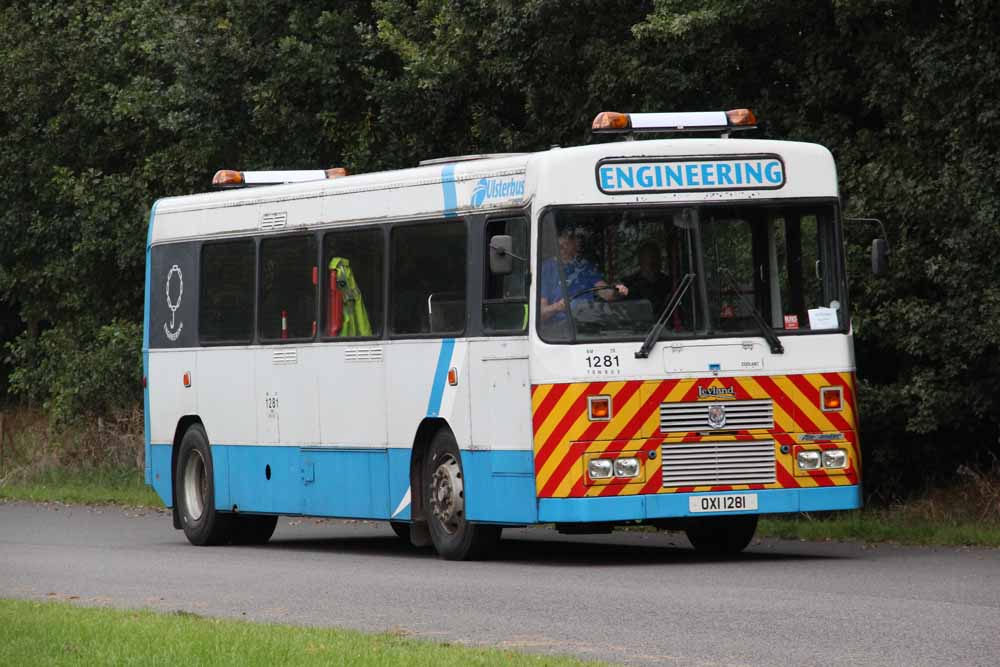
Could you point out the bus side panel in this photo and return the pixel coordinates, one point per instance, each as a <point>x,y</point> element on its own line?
<point>160,473</point>
<point>499,469</point>
<point>500,497</point>
<point>260,479</point>
<point>345,482</point>
<point>501,395</point>
<point>225,388</point>
<point>400,493</point>
<point>418,388</point>
<point>169,400</point>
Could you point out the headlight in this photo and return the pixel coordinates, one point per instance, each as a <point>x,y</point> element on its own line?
<point>808,460</point>
<point>600,468</point>
<point>834,458</point>
<point>627,467</point>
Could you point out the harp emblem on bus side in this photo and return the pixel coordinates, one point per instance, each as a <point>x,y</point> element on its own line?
<point>173,330</point>
<point>716,416</point>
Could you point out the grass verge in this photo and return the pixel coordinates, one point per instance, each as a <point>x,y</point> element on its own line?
<point>120,486</point>
<point>902,525</point>
<point>56,633</point>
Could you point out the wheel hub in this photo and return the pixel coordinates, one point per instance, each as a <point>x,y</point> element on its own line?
<point>447,494</point>
<point>195,485</point>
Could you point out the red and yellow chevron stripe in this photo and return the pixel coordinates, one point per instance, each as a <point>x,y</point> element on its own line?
<point>565,439</point>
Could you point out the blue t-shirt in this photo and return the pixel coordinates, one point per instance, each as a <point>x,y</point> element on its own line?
<point>580,275</point>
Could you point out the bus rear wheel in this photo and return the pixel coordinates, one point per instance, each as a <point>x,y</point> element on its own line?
<point>453,536</point>
<point>195,491</point>
<point>722,535</point>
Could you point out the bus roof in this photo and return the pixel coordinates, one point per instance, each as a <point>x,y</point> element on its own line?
<point>594,174</point>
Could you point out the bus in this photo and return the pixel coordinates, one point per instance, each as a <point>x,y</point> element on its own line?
<point>653,330</point>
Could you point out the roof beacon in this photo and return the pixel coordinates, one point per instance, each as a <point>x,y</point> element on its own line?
<point>227,178</point>
<point>693,121</point>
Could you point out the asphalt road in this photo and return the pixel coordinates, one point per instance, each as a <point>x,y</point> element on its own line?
<point>637,598</point>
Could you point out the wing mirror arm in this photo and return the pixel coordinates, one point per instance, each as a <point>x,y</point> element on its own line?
<point>880,251</point>
<point>501,255</point>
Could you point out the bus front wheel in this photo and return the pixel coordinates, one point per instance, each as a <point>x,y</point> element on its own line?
<point>722,534</point>
<point>195,492</point>
<point>453,536</point>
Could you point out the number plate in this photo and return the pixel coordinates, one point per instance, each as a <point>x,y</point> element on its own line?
<point>735,502</point>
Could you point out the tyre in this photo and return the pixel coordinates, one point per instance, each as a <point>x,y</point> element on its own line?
<point>722,534</point>
<point>402,530</point>
<point>453,537</point>
<point>252,529</point>
<point>195,491</point>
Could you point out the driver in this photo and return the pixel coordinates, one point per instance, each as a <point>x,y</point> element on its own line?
<point>580,276</point>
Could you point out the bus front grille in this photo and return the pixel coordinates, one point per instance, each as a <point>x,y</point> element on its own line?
<point>692,416</point>
<point>718,463</point>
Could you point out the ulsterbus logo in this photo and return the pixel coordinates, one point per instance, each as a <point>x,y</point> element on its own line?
<point>496,188</point>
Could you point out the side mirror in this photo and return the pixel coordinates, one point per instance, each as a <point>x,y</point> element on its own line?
<point>501,259</point>
<point>880,256</point>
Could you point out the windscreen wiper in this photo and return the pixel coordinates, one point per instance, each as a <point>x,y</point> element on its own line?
<point>765,328</point>
<point>654,333</point>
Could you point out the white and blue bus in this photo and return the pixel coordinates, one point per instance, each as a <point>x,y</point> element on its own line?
<point>650,331</point>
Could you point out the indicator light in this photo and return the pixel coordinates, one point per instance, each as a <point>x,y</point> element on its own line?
<point>599,408</point>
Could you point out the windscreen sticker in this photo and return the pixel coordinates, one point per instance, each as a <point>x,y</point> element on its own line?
<point>744,173</point>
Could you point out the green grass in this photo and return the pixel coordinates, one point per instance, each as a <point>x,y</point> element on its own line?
<point>900,525</point>
<point>95,486</point>
<point>55,633</point>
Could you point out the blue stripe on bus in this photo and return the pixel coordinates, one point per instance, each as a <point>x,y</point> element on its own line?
<point>500,488</point>
<point>667,505</point>
<point>145,349</point>
<point>440,376</point>
<point>448,190</point>
<point>352,482</point>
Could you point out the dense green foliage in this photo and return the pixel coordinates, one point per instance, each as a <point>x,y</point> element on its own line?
<point>105,106</point>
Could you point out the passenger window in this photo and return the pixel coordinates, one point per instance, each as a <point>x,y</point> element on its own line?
<point>505,298</point>
<point>225,311</point>
<point>428,279</point>
<point>289,277</point>
<point>352,283</point>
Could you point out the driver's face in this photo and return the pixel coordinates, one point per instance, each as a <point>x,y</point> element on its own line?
<point>568,247</point>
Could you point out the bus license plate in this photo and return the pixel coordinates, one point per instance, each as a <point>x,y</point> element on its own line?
<point>735,502</point>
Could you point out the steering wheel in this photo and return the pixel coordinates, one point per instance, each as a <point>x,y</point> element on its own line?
<point>592,289</point>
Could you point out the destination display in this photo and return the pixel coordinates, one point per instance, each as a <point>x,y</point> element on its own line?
<point>743,173</point>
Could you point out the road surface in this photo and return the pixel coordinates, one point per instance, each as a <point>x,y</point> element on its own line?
<point>635,598</point>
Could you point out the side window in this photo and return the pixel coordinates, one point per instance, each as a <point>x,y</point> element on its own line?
<point>428,279</point>
<point>289,277</point>
<point>505,298</point>
<point>804,264</point>
<point>225,312</point>
<point>352,283</point>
